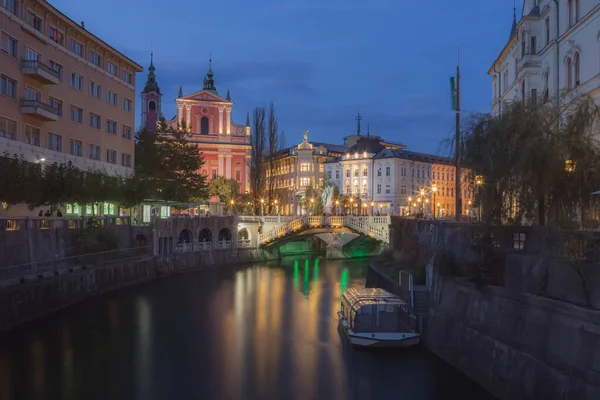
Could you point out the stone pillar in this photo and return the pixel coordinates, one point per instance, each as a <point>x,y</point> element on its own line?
<point>220,120</point>
<point>179,112</point>
<point>228,121</point>
<point>188,116</point>
<point>228,166</point>
<point>247,173</point>
<point>221,170</point>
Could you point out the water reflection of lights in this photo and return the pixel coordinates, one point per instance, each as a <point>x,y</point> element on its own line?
<point>316,270</point>
<point>68,368</point>
<point>344,281</point>
<point>144,346</point>
<point>306,271</point>
<point>295,274</point>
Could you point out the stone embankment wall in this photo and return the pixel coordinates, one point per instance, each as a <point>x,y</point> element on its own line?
<point>26,302</point>
<point>522,337</point>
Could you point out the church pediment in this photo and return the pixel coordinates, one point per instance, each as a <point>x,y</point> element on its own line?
<point>204,95</point>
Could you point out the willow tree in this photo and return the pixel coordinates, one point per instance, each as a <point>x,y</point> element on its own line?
<point>538,162</point>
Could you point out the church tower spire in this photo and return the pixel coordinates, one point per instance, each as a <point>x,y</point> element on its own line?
<point>513,28</point>
<point>151,99</point>
<point>209,82</point>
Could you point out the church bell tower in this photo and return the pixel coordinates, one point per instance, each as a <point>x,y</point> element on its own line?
<point>151,100</point>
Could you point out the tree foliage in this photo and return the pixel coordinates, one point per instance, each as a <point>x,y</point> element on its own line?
<point>226,189</point>
<point>257,168</point>
<point>538,162</point>
<point>169,163</point>
<point>47,185</point>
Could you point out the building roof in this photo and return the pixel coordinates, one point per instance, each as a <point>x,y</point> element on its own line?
<point>414,156</point>
<point>331,147</point>
<point>367,144</point>
<point>151,84</point>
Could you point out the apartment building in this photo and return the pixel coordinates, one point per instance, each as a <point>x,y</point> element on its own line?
<point>65,95</point>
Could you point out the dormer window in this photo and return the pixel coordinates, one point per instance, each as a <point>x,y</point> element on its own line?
<point>365,155</point>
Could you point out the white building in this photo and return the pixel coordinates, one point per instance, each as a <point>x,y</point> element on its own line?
<point>383,180</point>
<point>553,52</point>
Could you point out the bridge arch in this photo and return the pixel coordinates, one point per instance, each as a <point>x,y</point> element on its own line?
<point>224,235</point>
<point>185,236</point>
<point>243,234</point>
<point>205,235</point>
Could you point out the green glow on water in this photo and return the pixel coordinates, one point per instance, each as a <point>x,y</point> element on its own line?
<point>306,277</point>
<point>316,270</point>
<point>295,274</point>
<point>344,280</point>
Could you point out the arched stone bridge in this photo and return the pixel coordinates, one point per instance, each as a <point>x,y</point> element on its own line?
<point>213,233</point>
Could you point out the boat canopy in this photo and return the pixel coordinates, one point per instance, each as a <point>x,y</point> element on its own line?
<point>374,310</point>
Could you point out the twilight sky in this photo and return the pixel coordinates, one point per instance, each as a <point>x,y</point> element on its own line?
<point>320,61</point>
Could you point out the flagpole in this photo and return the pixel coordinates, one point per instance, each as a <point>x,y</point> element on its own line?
<point>458,205</point>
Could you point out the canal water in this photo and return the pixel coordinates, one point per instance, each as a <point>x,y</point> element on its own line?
<point>265,331</point>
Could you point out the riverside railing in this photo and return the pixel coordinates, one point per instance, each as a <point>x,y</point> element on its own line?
<point>22,273</point>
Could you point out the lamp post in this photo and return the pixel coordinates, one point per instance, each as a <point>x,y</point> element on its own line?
<point>276,207</point>
<point>351,204</point>
<point>312,203</point>
<point>262,207</point>
<point>479,183</point>
<point>337,207</point>
<point>372,205</point>
<point>364,208</point>
<point>433,189</point>
<point>232,203</point>
<point>409,207</point>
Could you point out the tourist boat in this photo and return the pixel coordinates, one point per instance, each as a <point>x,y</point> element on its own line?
<point>376,318</point>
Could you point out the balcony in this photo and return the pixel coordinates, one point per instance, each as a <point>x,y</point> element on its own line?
<point>40,110</point>
<point>40,72</point>
<point>530,61</point>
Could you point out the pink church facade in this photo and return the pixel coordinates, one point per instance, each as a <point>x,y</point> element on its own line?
<point>224,144</point>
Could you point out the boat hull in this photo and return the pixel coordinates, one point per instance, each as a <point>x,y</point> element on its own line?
<point>395,339</point>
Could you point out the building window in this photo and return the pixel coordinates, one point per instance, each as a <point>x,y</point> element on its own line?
<point>32,135</point>
<point>387,189</point>
<point>111,97</point>
<point>387,171</point>
<point>379,171</point>
<point>402,189</point>
<point>95,90</point>
<point>365,189</point>
<point>365,172</point>
<point>95,58</point>
<point>304,182</point>
<point>547,23</point>
<point>126,104</point>
<point>10,5</point>
<point>94,152</point>
<point>348,173</point>
<point>238,176</point>
<point>111,127</point>
<point>8,87</point>
<point>111,156</point>
<point>347,189</point>
<point>126,160</point>
<point>523,42</point>
<point>76,114</point>
<point>95,121</point>
<point>545,86</point>
<point>533,41</point>
<point>34,20</point>
<point>329,174</point>
<point>9,45</point>
<point>126,132</point>
<point>127,77</point>
<point>356,172</point>
<point>77,47</point>
<point>523,91</point>
<point>533,96</point>
<point>214,174</point>
<point>304,167</point>
<point>8,128</point>
<point>57,35</point>
<point>204,126</point>
<point>112,68</point>
<point>31,55</point>
<point>576,68</point>
<point>569,73</point>
<point>337,174</point>
<point>54,142</point>
<point>57,67</point>
<point>31,94</point>
<point>75,147</point>
<point>76,81</point>
<point>379,188</point>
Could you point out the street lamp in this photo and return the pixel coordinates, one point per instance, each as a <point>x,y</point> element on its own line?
<point>337,205</point>
<point>276,207</point>
<point>262,207</point>
<point>372,205</point>
<point>364,205</point>
<point>312,202</point>
<point>479,183</point>
<point>409,203</point>
<point>232,202</point>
